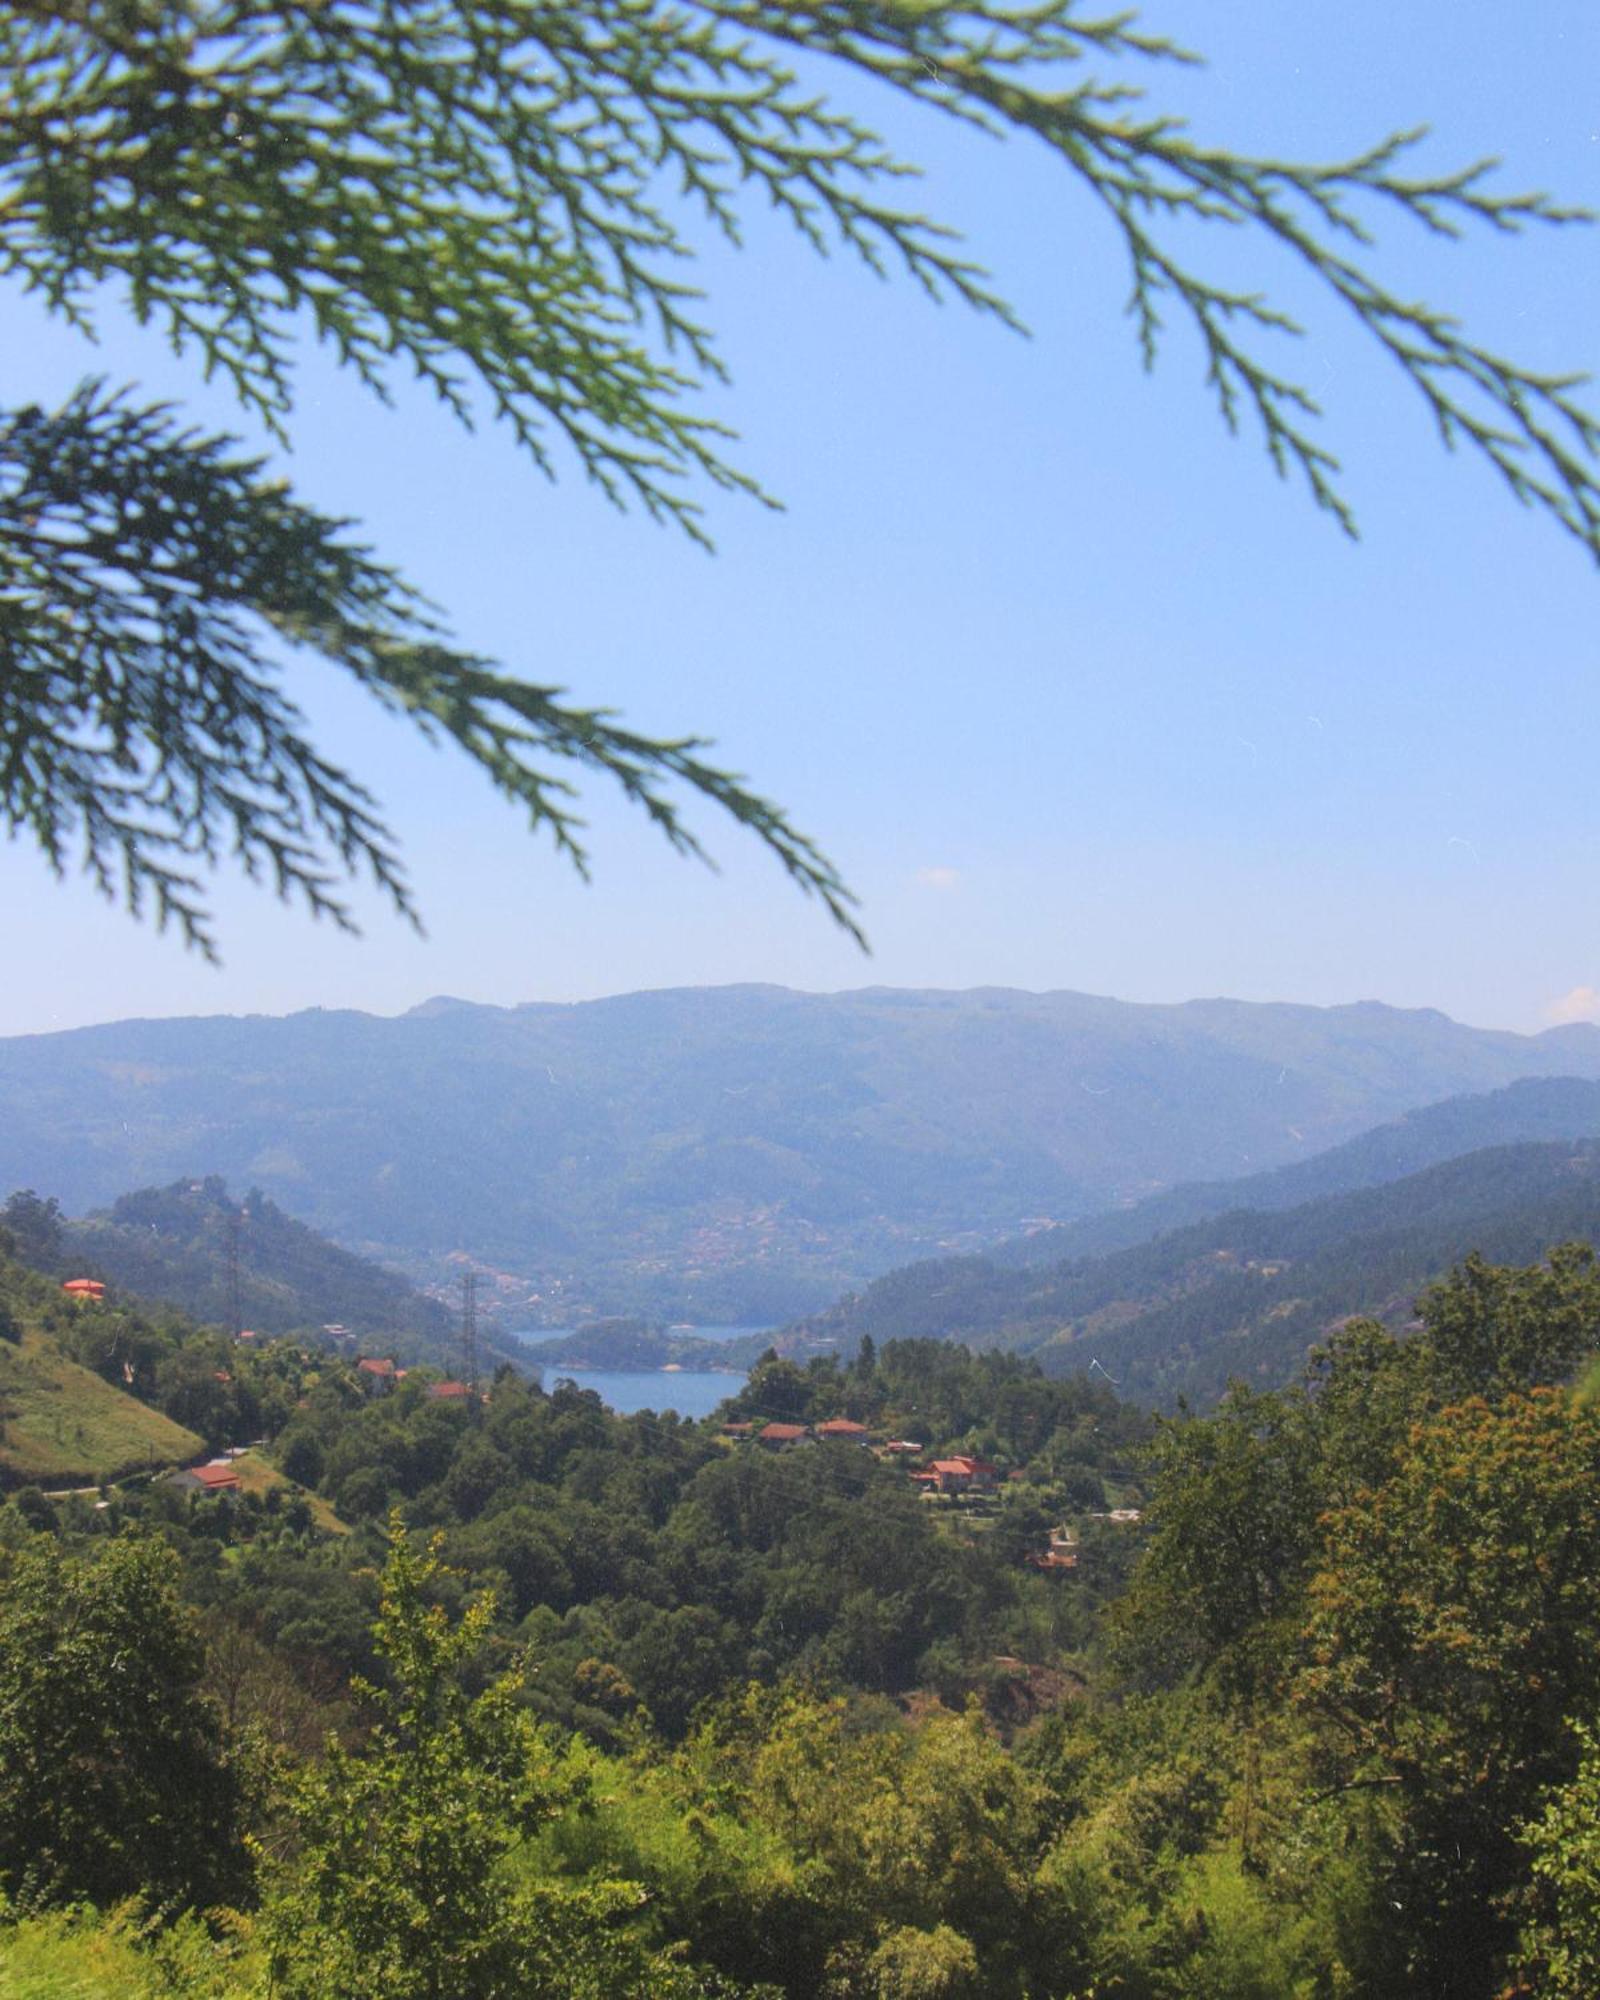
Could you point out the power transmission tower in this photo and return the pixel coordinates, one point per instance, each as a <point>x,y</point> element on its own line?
<point>235,1313</point>
<point>469,1329</point>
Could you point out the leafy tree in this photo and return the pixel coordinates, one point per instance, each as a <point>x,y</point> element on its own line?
<point>401,1889</point>
<point>113,1778</point>
<point>925,1965</point>
<point>1234,1520</point>
<point>475,195</point>
<point>1565,1844</point>
<point>33,1226</point>
<point>1497,1327</point>
<point>1454,1627</point>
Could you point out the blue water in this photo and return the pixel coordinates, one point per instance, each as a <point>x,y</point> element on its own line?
<point>691,1394</point>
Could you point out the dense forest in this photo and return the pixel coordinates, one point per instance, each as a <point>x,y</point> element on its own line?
<point>453,1694</point>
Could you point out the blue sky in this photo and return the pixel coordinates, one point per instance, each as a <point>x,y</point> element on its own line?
<point>1073,689</point>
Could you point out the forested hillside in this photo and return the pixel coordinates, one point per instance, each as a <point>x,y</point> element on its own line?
<point>1247,1293</point>
<point>739,1154</point>
<point>1289,1699</point>
<point>208,1254</point>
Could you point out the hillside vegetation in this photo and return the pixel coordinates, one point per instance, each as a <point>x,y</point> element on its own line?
<point>732,1154</point>
<point>203,1252</point>
<point>1290,1699</point>
<point>1245,1294</point>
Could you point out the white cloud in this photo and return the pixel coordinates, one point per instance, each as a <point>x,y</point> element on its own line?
<point>942,879</point>
<point>1581,1004</point>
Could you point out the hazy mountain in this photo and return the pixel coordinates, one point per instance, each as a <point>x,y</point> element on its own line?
<point>1562,1107</point>
<point>1246,1293</point>
<point>736,1152</point>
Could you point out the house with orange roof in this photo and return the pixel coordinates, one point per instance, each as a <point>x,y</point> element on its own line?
<point>218,1477</point>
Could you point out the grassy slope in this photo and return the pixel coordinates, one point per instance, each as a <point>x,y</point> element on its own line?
<point>259,1475</point>
<point>60,1425</point>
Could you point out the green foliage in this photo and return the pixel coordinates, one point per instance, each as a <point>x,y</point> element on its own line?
<point>1395,1584</point>
<point>84,1954</point>
<point>925,1965</point>
<point>33,1227</point>
<point>162,558</point>
<point>1240,1486</point>
<point>479,201</point>
<point>822,1847</point>
<point>1493,1328</point>
<point>1340,1761</point>
<point>1564,1842</point>
<point>398,1889</point>
<point>1453,1629</point>
<point>113,1777</point>
<point>498,217</point>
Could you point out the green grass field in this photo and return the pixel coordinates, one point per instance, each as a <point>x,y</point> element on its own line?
<point>60,1425</point>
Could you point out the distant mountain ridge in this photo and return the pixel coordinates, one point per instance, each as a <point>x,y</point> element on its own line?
<point>1536,1108</point>
<point>1241,1294</point>
<point>733,1153</point>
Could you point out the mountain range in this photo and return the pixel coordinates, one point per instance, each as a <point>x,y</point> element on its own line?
<point>735,1153</point>
<point>1175,1295</point>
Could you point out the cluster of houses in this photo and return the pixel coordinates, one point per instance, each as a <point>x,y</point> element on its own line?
<point>956,1474</point>
<point>378,1375</point>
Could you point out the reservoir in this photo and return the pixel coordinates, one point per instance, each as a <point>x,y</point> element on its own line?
<point>691,1392</point>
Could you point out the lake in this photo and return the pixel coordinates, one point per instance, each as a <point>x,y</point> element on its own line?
<point>691,1392</point>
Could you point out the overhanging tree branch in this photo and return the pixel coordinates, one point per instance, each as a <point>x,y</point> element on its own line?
<point>494,196</point>
<point>143,734</point>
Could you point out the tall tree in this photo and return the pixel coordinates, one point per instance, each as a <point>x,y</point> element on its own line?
<point>113,1777</point>
<point>475,193</point>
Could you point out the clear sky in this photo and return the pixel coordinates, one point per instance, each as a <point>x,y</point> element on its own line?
<point>1073,689</point>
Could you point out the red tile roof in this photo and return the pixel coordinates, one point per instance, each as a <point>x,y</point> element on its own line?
<point>215,1476</point>
<point>454,1390</point>
<point>781,1433</point>
<point>376,1367</point>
